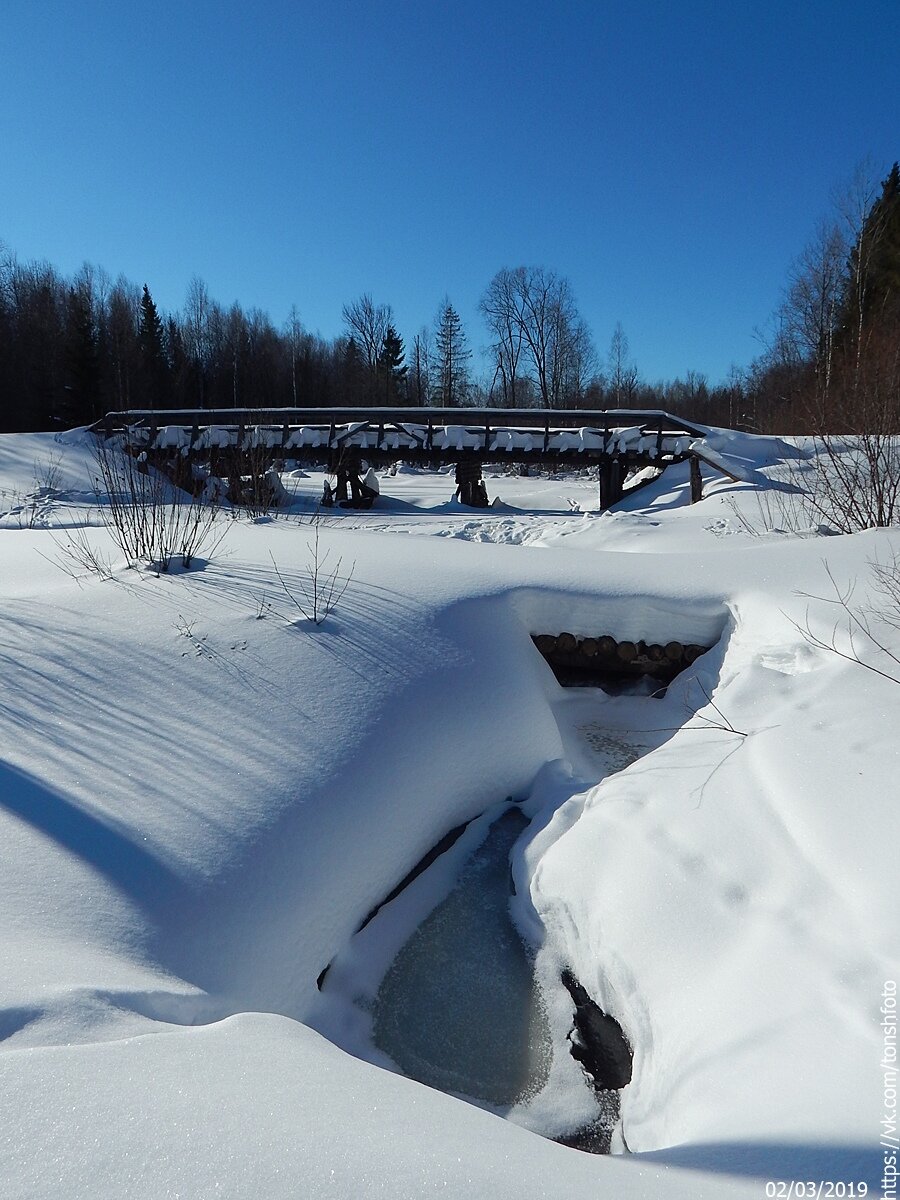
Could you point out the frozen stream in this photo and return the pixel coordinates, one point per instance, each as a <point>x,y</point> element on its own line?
<point>459,1009</point>
<point>438,983</point>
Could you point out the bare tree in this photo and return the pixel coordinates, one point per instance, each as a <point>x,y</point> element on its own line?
<point>95,284</point>
<point>123,323</point>
<point>539,306</point>
<point>197,333</point>
<point>293,330</point>
<point>368,323</point>
<point>500,308</point>
<point>810,311</point>
<point>236,341</point>
<point>578,366</point>
<point>623,375</point>
<point>419,383</point>
<point>532,314</point>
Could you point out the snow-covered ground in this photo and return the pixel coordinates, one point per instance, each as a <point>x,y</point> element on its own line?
<point>202,796</point>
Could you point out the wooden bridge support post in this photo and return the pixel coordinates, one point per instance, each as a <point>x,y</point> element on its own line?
<point>469,484</point>
<point>611,489</point>
<point>349,471</point>
<point>696,480</point>
<point>342,479</point>
<point>345,462</point>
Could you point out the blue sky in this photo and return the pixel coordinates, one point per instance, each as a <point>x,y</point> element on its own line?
<point>669,158</point>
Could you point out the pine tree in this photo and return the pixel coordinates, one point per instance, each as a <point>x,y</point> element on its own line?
<point>452,358</point>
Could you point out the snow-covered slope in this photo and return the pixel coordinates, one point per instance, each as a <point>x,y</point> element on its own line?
<point>202,795</point>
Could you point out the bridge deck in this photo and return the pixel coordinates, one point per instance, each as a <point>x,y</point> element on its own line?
<point>631,436</point>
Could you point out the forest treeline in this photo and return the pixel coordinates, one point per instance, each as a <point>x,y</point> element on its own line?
<point>72,349</point>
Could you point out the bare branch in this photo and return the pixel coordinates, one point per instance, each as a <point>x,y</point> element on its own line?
<point>857,622</point>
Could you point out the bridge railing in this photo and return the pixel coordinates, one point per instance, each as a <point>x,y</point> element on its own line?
<point>421,435</point>
<point>608,420</point>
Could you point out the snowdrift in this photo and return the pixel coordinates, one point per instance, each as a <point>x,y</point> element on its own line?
<point>201,798</point>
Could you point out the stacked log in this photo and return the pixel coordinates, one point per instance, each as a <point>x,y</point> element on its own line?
<point>572,656</point>
<point>566,643</point>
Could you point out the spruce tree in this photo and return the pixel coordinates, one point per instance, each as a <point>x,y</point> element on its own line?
<point>391,368</point>
<point>452,358</point>
<point>155,383</point>
<point>877,253</point>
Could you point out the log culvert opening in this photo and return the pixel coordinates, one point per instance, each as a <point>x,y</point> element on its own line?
<point>591,661</point>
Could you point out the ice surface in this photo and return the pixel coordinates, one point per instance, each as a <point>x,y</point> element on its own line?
<point>459,1008</point>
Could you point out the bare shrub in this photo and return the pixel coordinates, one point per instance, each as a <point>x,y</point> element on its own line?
<point>321,587</point>
<point>149,520</point>
<point>855,481</point>
<point>887,584</point>
<point>77,556</point>
<point>258,492</point>
<point>48,474</point>
<point>835,484</point>
<point>781,507</point>
<point>32,510</point>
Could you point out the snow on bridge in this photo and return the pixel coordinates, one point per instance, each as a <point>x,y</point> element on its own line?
<point>618,441</point>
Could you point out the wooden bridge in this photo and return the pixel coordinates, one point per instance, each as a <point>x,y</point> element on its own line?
<point>238,442</point>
